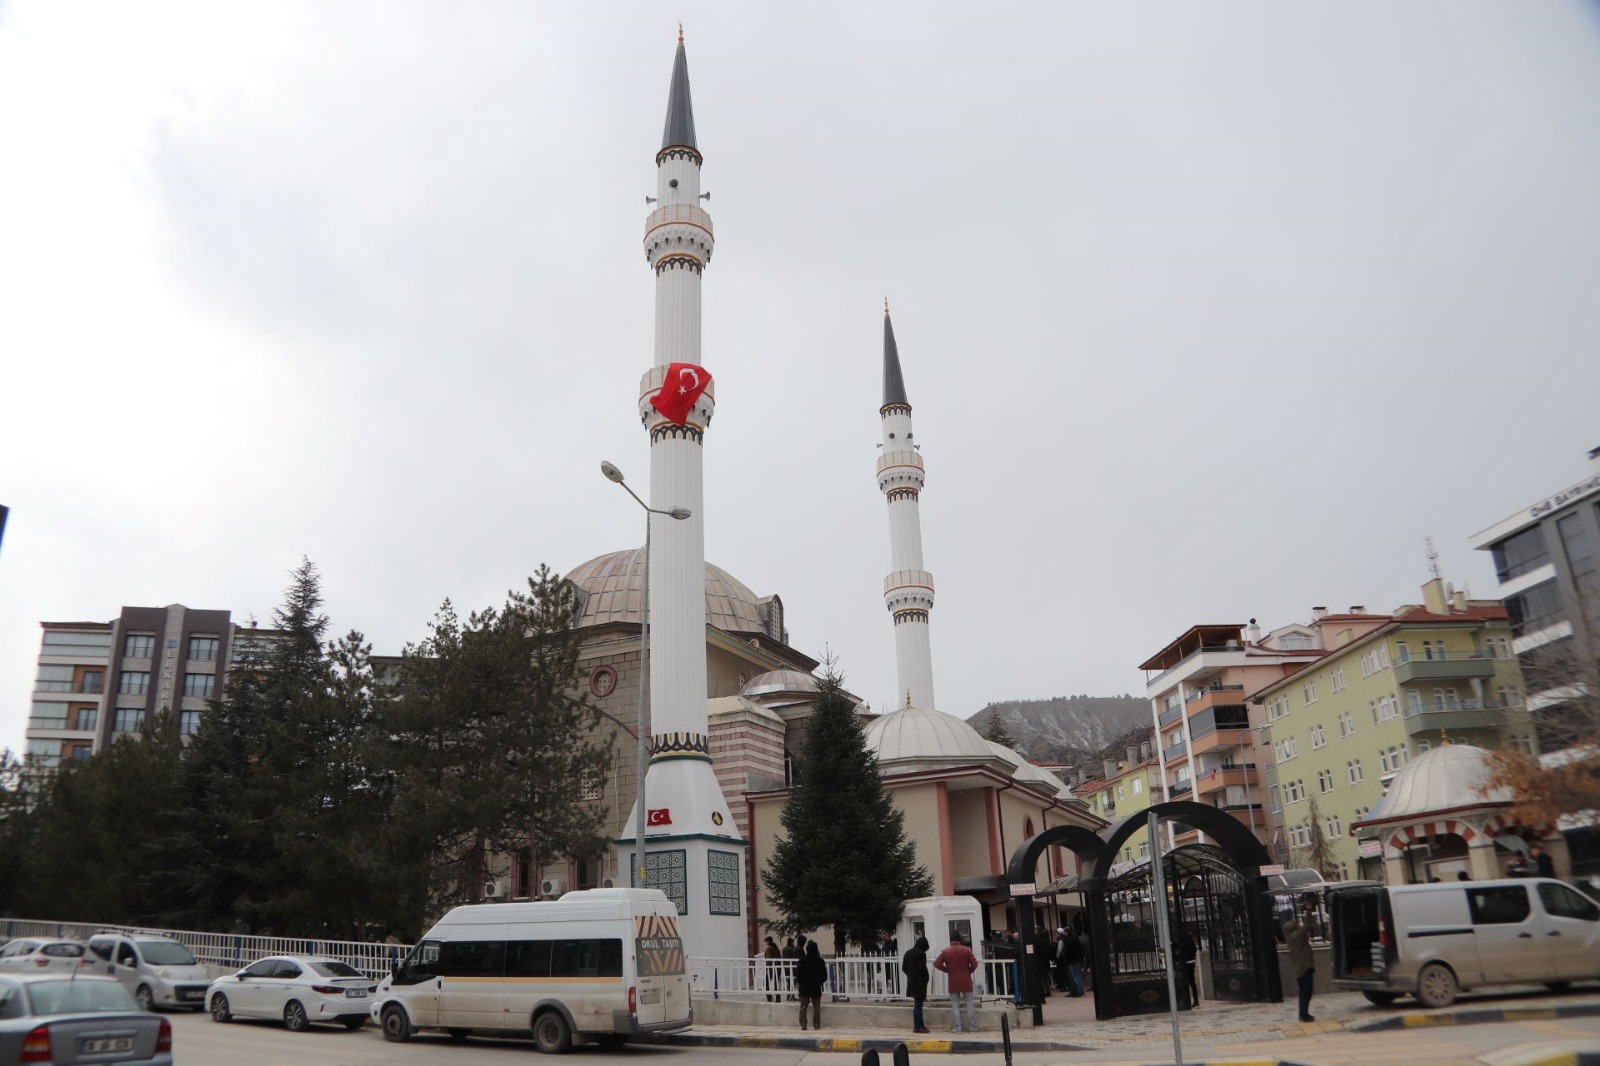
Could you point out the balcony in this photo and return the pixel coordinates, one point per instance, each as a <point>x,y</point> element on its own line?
<point>1433,716</point>
<point>1223,776</point>
<point>1168,717</point>
<point>1463,668</point>
<point>1224,735</point>
<point>1177,751</point>
<point>1239,808</point>
<point>1182,788</point>
<point>1213,696</point>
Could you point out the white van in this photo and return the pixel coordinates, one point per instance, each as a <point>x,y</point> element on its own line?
<point>602,964</point>
<point>1433,941</point>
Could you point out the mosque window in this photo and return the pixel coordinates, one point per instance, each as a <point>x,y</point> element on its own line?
<point>722,877</point>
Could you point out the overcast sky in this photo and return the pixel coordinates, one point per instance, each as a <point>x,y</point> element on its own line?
<point>1207,311</point>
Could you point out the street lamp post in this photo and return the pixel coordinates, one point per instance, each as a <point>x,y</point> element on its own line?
<point>679,513</point>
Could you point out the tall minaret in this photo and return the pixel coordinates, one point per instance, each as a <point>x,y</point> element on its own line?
<point>908,590</point>
<point>700,861</point>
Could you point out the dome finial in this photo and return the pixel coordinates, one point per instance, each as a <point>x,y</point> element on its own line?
<point>908,699</point>
<point>1444,737</point>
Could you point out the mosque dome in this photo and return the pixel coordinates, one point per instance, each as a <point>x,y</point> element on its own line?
<point>613,591</point>
<point>1445,778</point>
<point>776,682</point>
<point>913,738</point>
<point>1023,770</point>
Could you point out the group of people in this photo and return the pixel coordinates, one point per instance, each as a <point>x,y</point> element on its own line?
<point>802,979</point>
<point>958,964</point>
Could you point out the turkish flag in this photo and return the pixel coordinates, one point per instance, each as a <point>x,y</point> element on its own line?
<point>680,388</point>
<point>658,816</point>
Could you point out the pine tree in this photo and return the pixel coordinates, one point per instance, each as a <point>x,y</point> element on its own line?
<point>845,860</point>
<point>994,731</point>
<point>489,745</point>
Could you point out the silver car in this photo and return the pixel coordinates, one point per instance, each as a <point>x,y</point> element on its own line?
<point>295,989</point>
<point>71,1018</point>
<point>36,955</point>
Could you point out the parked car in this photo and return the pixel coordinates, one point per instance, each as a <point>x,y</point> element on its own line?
<point>29,955</point>
<point>158,970</point>
<point>1433,941</point>
<point>77,1018</point>
<point>296,989</point>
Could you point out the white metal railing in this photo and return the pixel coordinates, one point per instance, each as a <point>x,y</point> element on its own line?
<point>858,978</point>
<point>226,950</point>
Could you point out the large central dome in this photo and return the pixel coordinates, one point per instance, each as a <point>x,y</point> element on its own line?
<point>613,587</point>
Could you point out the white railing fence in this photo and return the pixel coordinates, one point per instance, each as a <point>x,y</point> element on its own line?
<point>858,978</point>
<point>226,949</point>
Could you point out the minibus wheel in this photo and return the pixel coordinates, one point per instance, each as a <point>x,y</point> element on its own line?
<point>550,1033</point>
<point>1382,999</point>
<point>1436,985</point>
<point>396,1026</point>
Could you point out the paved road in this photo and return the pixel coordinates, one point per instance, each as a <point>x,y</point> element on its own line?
<point>198,1041</point>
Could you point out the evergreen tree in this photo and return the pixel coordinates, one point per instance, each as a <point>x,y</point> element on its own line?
<point>489,745</point>
<point>994,731</point>
<point>845,860</point>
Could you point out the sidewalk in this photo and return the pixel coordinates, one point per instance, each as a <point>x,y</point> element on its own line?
<point>1069,1025</point>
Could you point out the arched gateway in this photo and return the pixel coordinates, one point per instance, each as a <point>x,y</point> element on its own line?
<point>1215,892</point>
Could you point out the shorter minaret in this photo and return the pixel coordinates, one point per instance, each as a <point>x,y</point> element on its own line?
<point>908,590</point>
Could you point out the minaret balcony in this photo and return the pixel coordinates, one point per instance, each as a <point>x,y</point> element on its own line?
<point>651,383</point>
<point>900,470</point>
<point>904,589</point>
<point>687,214</point>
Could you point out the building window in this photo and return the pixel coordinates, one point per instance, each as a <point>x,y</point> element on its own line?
<point>88,717</point>
<point>1520,553</point>
<point>1353,768</point>
<point>722,877</point>
<point>1324,781</point>
<point>54,679</point>
<point>1138,785</point>
<point>138,646</point>
<point>1318,737</point>
<point>1287,749</point>
<point>1422,746</point>
<point>590,871</point>
<point>1294,791</point>
<point>1334,829</point>
<point>1300,836</point>
<point>128,719</point>
<point>202,685</point>
<point>79,752</point>
<point>134,682</point>
<point>92,682</point>
<point>522,870</point>
<point>1414,699</point>
<point>1403,651</point>
<point>1336,679</point>
<point>203,649</point>
<point>189,722</point>
<point>1308,691</point>
<point>1272,799</point>
<point>668,871</point>
<point>1277,708</point>
<point>1347,724</point>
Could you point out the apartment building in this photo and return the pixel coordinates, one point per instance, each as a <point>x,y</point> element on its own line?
<point>1124,789</point>
<point>99,680</point>
<point>1386,688</point>
<point>1199,687</point>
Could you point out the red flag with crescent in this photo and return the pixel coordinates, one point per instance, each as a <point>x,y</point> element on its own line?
<point>680,388</point>
<point>658,816</point>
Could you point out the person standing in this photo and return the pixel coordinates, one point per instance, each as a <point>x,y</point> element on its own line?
<point>915,967</point>
<point>1059,961</point>
<point>809,977</point>
<point>960,964</point>
<point>1072,957</point>
<point>1041,962</point>
<point>791,959</point>
<point>1183,952</point>
<point>1543,864</point>
<point>774,961</point>
<point>1301,963</point>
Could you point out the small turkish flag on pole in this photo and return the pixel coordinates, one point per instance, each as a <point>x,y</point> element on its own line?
<point>658,816</point>
<point>680,388</point>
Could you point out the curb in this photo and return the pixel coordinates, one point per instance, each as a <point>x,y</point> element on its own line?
<point>1477,1016</point>
<point>924,1046</point>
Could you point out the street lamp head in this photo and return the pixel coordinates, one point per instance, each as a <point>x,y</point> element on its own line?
<point>679,513</point>
<point>611,472</point>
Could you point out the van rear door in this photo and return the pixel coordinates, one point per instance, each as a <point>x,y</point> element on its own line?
<point>661,980</point>
<point>1359,928</point>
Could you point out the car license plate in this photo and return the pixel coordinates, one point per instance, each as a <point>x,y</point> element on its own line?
<point>191,993</point>
<point>355,993</point>
<point>105,1044</point>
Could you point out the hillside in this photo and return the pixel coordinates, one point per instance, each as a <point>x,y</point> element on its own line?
<point>1068,730</point>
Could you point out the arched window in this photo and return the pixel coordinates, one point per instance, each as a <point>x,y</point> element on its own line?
<point>1027,829</point>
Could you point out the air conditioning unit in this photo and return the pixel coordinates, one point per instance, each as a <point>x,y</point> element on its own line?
<point>552,886</point>
<point>494,889</point>
<point>608,883</point>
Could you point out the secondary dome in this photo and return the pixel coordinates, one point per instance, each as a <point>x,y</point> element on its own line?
<point>1445,778</point>
<point>775,682</point>
<point>913,738</point>
<point>613,591</point>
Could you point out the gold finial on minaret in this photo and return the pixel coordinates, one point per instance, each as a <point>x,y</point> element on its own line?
<point>885,307</point>
<point>680,33</point>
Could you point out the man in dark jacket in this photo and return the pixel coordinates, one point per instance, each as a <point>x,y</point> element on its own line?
<point>915,967</point>
<point>809,977</point>
<point>1072,956</point>
<point>791,955</point>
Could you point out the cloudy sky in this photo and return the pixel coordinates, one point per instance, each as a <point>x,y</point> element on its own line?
<point>1207,311</point>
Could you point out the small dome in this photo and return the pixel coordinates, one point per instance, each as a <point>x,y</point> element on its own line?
<point>913,738</point>
<point>776,682</point>
<point>1445,778</point>
<point>614,591</point>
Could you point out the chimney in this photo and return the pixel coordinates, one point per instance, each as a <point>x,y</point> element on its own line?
<point>1433,596</point>
<point>1108,769</point>
<point>1594,457</point>
<point>1356,608</point>
<point>1144,751</point>
<point>1253,634</point>
<point>1458,600</point>
<point>1318,613</point>
<point>1129,753</point>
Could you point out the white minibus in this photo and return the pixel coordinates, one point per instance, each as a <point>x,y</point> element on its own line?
<point>602,964</point>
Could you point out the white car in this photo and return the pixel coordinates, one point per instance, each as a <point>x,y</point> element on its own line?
<point>34,955</point>
<point>294,988</point>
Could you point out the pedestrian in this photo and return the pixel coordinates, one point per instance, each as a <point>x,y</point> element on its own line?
<point>791,959</point>
<point>1059,961</point>
<point>1041,963</point>
<point>772,964</point>
<point>960,964</point>
<point>1461,875</point>
<point>1301,963</point>
<point>1086,981</point>
<point>809,977</point>
<point>1072,958</point>
<point>1519,867</point>
<point>1543,864</point>
<point>915,967</point>
<point>1183,952</point>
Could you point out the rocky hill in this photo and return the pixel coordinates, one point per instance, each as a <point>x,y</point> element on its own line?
<point>1067,730</point>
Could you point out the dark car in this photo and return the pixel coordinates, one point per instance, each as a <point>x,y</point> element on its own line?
<point>61,1018</point>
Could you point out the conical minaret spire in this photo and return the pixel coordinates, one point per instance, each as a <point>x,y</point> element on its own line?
<point>908,590</point>
<point>679,131</point>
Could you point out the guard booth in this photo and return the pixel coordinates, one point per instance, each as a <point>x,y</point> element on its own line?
<point>941,919</point>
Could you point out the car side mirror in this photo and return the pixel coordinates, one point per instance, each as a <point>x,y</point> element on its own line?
<point>240,976</point>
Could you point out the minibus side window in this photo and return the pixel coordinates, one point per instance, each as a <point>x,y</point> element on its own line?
<point>472,958</point>
<point>421,965</point>
<point>1564,902</point>
<point>610,958</point>
<point>528,958</point>
<point>586,958</point>
<point>1504,905</point>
